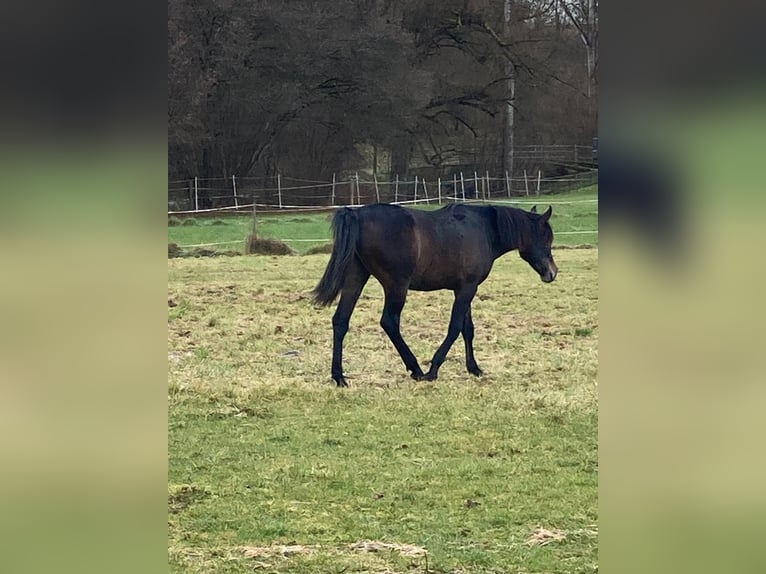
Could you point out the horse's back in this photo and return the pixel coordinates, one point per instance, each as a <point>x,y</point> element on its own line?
<point>382,223</point>
<point>456,250</point>
<point>427,250</point>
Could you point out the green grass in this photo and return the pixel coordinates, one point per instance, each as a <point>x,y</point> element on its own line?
<point>264,450</point>
<point>566,218</point>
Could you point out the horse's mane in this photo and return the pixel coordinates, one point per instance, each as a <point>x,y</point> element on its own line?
<point>513,227</point>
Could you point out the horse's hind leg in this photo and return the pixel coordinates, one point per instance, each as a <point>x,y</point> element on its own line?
<point>470,360</point>
<point>354,282</point>
<point>392,311</point>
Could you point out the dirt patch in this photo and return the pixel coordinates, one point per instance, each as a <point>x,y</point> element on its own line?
<point>582,246</point>
<point>264,246</point>
<point>180,497</point>
<point>284,550</point>
<point>370,546</point>
<point>323,248</point>
<point>375,546</point>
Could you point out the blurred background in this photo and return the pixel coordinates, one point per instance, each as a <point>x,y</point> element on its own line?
<point>681,127</point>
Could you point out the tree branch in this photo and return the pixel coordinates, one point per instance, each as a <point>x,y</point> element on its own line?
<point>585,38</point>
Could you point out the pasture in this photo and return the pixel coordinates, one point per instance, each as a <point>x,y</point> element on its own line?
<point>307,229</point>
<point>274,469</point>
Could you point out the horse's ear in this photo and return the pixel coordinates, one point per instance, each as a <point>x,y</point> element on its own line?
<point>533,210</point>
<point>547,215</point>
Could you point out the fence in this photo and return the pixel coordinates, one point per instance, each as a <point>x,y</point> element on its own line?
<point>200,195</point>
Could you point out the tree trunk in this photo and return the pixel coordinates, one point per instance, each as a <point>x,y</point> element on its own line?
<point>400,156</point>
<point>510,74</point>
<point>591,45</point>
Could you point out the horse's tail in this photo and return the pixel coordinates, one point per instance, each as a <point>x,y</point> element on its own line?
<point>345,231</point>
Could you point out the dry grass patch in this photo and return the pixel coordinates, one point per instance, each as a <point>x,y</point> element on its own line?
<point>542,536</point>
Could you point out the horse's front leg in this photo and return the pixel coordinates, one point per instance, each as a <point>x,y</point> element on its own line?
<point>460,309</point>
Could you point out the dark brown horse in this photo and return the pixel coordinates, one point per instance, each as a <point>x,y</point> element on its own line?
<point>452,248</point>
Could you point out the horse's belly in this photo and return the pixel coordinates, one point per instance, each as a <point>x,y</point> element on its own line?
<point>433,279</point>
<point>453,277</point>
<point>424,284</point>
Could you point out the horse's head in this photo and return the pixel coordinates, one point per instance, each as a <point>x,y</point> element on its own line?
<point>537,245</point>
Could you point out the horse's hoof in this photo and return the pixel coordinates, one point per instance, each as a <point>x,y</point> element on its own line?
<point>425,377</point>
<point>340,382</point>
<point>475,371</point>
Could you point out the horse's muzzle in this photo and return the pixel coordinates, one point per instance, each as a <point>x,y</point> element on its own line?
<point>550,273</point>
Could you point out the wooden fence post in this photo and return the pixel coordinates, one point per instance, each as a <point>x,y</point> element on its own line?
<point>439,188</point>
<point>526,183</point>
<point>358,194</point>
<point>462,185</point>
<point>476,184</point>
<point>279,189</point>
<point>255,231</point>
<point>196,195</point>
<point>508,184</point>
<point>396,189</point>
<point>377,193</point>
<point>416,189</point>
<point>333,189</point>
<point>454,185</point>
<point>234,186</point>
<point>538,182</point>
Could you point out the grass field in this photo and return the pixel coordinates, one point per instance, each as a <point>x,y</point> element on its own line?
<point>314,228</point>
<point>273,469</point>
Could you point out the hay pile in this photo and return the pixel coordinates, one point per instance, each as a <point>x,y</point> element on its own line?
<point>322,248</point>
<point>174,251</point>
<point>264,246</point>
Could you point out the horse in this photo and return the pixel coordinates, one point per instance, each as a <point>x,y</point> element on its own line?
<point>451,248</point>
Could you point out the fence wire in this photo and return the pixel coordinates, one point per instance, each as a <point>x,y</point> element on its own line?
<point>207,195</point>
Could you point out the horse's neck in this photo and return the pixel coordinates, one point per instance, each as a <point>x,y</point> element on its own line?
<point>509,233</point>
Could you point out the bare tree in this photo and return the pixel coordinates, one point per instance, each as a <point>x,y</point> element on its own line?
<point>312,87</point>
<point>583,14</point>
<point>510,74</point>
